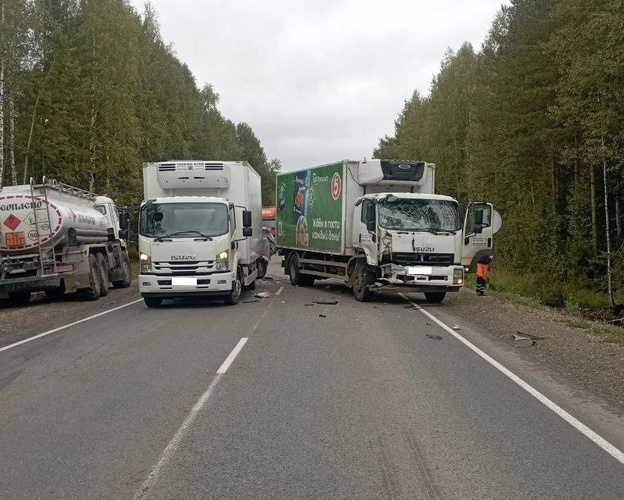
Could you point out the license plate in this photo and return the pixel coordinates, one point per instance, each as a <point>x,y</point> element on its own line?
<point>184,281</point>
<point>419,271</point>
<point>15,239</point>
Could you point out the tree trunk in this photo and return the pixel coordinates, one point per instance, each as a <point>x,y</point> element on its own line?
<point>607,229</point>
<point>11,103</point>
<point>2,65</point>
<point>594,210</point>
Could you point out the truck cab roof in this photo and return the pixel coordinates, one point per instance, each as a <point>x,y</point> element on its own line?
<point>189,199</point>
<point>413,196</point>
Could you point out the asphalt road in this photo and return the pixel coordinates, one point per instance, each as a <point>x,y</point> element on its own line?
<point>347,400</point>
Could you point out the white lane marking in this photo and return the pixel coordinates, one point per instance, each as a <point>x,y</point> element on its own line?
<point>175,442</point>
<point>49,332</point>
<point>228,361</point>
<point>279,291</point>
<point>578,425</point>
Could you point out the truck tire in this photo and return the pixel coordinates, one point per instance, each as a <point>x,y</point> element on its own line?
<point>435,297</point>
<point>293,269</point>
<point>101,261</point>
<point>296,278</point>
<point>262,269</point>
<point>93,292</point>
<point>360,286</point>
<point>126,280</point>
<point>152,301</point>
<point>19,299</point>
<point>237,289</point>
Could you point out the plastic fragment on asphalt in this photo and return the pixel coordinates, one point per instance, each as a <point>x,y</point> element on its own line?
<point>262,295</point>
<point>434,337</point>
<point>322,316</point>
<point>456,327</point>
<point>326,302</point>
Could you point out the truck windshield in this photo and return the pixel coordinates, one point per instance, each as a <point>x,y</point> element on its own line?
<point>418,215</point>
<point>183,220</point>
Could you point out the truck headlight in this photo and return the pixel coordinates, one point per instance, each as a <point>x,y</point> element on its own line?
<point>146,263</point>
<point>223,261</point>
<point>458,276</point>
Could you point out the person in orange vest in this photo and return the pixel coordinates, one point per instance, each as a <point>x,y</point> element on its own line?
<point>483,269</point>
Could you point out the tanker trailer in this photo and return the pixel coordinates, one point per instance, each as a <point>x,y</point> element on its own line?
<point>59,239</point>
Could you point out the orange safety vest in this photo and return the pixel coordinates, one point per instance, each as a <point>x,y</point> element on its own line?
<point>482,270</point>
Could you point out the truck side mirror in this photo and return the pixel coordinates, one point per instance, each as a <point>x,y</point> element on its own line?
<point>246,221</point>
<point>123,219</point>
<point>247,231</point>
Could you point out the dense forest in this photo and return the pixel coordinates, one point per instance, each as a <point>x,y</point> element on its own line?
<point>90,91</point>
<point>534,123</point>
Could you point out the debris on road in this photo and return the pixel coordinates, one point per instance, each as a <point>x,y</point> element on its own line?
<point>456,327</point>
<point>326,302</point>
<point>434,337</point>
<point>308,304</point>
<point>322,316</point>
<point>250,301</point>
<point>262,295</point>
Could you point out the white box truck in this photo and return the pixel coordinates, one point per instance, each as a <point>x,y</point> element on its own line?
<point>378,226</point>
<point>58,239</point>
<point>200,230</point>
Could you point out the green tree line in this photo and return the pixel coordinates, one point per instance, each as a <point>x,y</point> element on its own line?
<point>534,122</point>
<point>89,91</point>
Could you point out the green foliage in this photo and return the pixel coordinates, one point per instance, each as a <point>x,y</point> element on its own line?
<point>529,123</point>
<point>97,92</point>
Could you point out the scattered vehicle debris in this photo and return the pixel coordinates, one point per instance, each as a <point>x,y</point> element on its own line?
<point>262,295</point>
<point>322,316</point>
<point>456,327</point>
<point>326,302</point>
<point>250,301</point>
<point>434,337</point>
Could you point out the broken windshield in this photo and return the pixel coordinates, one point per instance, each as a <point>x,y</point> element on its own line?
<point>418,215</point>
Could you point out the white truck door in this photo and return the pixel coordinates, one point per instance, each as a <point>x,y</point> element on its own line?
<point>365,229</point>
<point>478,234</point>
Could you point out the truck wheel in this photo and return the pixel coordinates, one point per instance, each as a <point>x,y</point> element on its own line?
<point>262,269</point>
<point>293,269</point>
<point>19,298</point>
<point>435,297</point>
<point>101,261</point>
<point>126,273</point>
<point>360,287</point>
<point>152,301</point>
<point>93,292</point>
<point>237,288</point>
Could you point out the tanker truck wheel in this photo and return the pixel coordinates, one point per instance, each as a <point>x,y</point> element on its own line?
<point>19,298</point>
<point>93,292</point>
<point>103,274</point>
<point>126,273</point>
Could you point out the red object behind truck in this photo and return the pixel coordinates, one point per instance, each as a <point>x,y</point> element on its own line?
<point>268,218</point>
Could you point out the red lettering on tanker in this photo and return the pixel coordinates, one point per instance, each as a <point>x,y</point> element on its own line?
<point>336,186</point>
<point>12,222</point>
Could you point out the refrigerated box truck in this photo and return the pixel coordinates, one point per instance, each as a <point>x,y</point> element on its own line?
<point>200,230</point>
<point>378,226</point>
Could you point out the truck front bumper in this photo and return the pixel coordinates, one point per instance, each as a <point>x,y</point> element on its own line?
<point>422,278</point>
<point>206,285</point>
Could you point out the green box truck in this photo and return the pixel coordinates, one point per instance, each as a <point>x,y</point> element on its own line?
<point>378,226</point>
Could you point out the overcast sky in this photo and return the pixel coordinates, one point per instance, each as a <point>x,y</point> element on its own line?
<point>318,80</point>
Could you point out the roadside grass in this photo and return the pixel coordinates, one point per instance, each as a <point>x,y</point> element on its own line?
<point>586,309</point>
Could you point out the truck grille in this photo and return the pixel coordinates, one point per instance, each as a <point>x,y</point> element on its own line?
<point>185,268</point>
<point>430,259</point>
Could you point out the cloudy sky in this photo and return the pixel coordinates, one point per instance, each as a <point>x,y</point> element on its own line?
<point>318,80</point>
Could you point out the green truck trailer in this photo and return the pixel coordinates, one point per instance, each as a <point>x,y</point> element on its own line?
<point>378,226</point>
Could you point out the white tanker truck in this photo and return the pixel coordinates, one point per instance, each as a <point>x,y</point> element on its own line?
<point>58,239</point>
